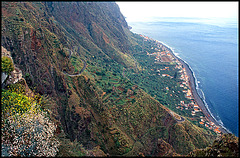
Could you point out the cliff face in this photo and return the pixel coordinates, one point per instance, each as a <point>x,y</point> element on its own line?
<point>101,23</point>
<point>226,145</point>
<point>99,108</point>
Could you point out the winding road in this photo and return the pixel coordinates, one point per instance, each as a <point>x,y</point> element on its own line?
<point>81,71</point>
<point>84,67</point>
<point>174,115</point>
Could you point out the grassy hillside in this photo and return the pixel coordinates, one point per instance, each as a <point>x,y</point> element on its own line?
<point>105,109</point>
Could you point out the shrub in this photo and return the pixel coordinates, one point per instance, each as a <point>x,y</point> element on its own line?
<point>13,103</point>
<point>7,65</point>
<point>26,130</point>
<point>16,87</point>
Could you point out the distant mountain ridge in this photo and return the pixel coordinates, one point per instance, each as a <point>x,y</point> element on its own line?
<point>99,112</point>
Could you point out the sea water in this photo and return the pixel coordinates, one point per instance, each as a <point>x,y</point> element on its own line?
<point>211,49</point>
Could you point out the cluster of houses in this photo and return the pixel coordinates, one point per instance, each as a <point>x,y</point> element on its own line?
<point>188,94</point>
<point>166,56</point>
<point>162,52</point>
<point>191,105</point>
<point>164,75</point>
<point>203,120</point>
<point>210,125</point>
<point>162,56</point>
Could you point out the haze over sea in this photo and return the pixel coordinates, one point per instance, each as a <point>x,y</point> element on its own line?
<point>210,47</point>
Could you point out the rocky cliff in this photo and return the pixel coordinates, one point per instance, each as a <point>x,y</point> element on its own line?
<point>226,145</point>
<point>98,111</point>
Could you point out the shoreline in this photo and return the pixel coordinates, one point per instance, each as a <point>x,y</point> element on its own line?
<point>193,87</point>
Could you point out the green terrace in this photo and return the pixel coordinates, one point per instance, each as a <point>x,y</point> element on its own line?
<point>159,79</point>
<point>116,90</point>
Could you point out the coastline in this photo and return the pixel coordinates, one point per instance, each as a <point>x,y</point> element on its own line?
<point>193,86</point>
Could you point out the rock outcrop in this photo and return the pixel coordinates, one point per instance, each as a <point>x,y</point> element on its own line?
<point>15,75</point>
<point>226,145</point>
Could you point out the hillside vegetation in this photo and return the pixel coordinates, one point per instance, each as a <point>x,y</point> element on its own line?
<point>106,109</point>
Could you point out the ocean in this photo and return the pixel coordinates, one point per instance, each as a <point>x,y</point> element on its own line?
<point>210,47</point>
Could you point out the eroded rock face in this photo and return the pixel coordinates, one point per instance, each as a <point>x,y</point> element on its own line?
<point>165,149</point>
<point>4,52</point>
<point>78,123</point>
<point>96,152</point>
<point>15,75</point>
<point>3,76</point>
<point>224,146</point>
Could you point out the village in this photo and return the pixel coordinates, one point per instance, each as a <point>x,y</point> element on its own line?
<point>162,54</point>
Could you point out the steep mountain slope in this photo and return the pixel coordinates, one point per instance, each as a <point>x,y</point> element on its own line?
<point>49,41</point>
<point>226,145</point>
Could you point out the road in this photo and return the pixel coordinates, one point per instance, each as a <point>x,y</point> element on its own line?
<point>174,115</point>
<point>84,67</point>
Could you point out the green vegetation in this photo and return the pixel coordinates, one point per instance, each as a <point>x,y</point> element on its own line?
<point>117,105</point>
<point>13,103</point>
<point>7,65</point>
<point>165,89</point>
<point>26,130</point>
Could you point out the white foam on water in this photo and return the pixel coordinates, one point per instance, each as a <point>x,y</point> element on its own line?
<point>199,91</point>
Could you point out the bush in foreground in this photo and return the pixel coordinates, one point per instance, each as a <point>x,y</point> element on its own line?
<point>26,130</point>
